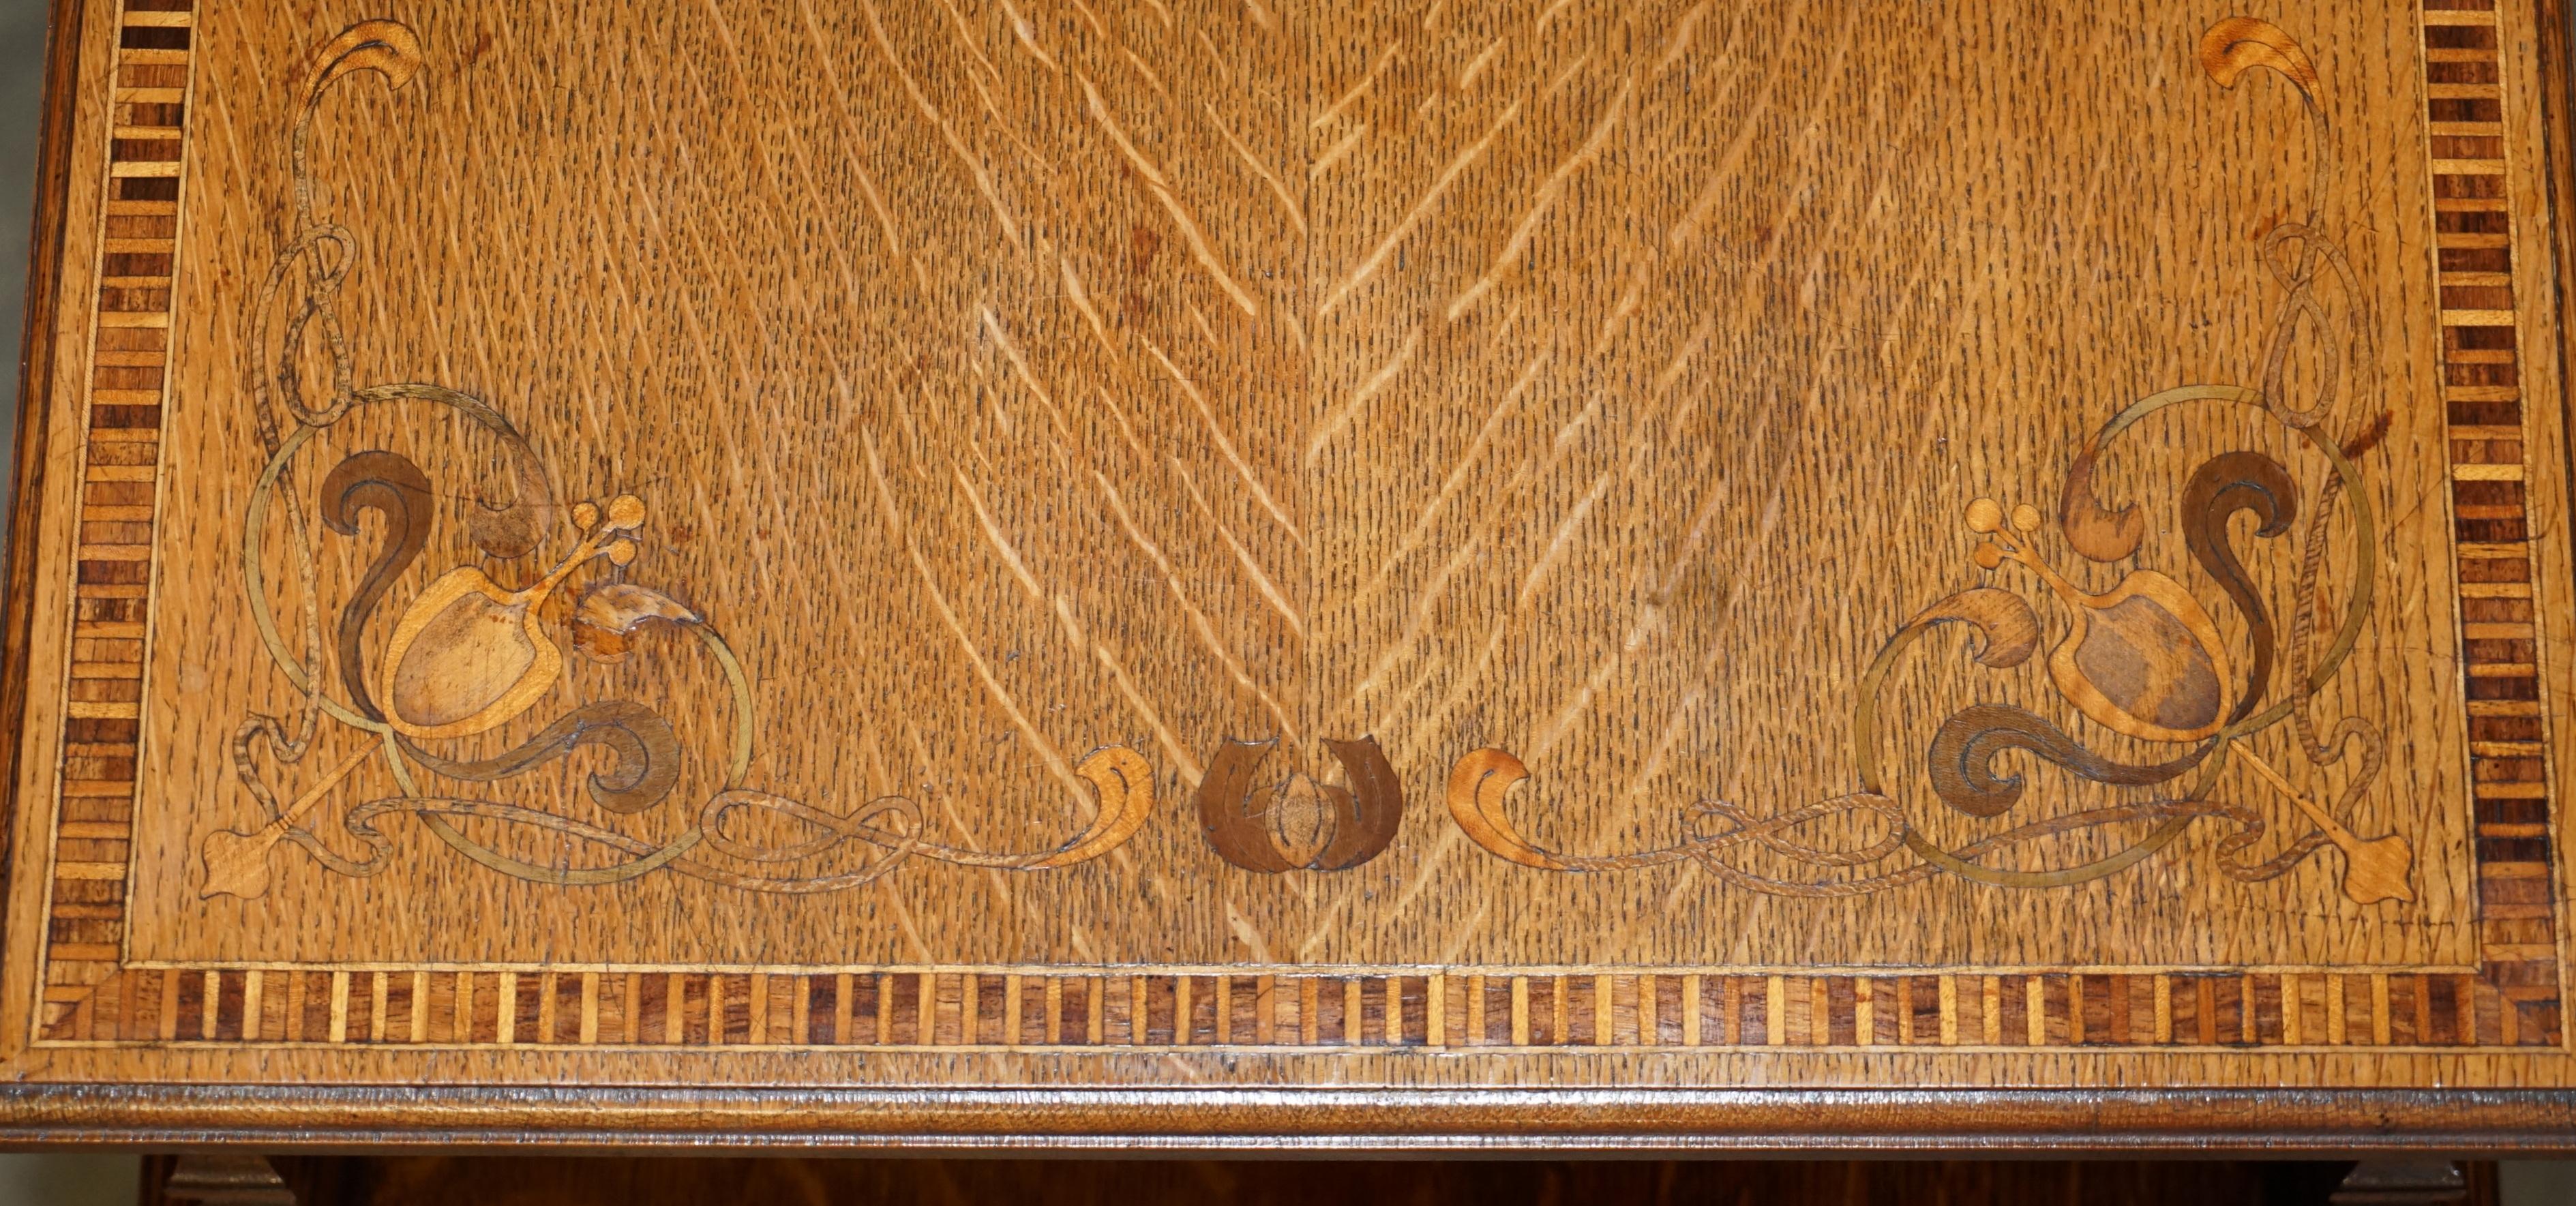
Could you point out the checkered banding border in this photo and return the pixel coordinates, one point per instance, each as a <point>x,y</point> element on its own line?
<point>1005,1009</point>
<point>120,454</point>
<point>2484,406</point>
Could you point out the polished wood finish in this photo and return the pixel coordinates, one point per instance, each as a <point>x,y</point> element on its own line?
<point>1593,574</point>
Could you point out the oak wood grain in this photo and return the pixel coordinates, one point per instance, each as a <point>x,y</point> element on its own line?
<point>1367,550</point>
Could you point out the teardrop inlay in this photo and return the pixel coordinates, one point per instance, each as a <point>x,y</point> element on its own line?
<point>2144,659</point>
<point>466,657</point>
<point>2146,663</point>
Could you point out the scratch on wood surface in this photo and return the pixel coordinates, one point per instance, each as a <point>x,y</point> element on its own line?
<point>1420,209</point>
<point>895,527</point>
<point>1261,581</point>
<point>1099,111</point>
<point>1081,302</point>
<point>1563,539</point>
<point>947,133</point>
<point>1173,747</point>
<point>1620,311</point>
<point>1333,154</point>
<point>1417,617</point>
<point>1092,19</point>
<point>1680,43</point>
<point>1359,89</point>
<point>1658,588</point>
<point>1456,480</point>
<point>1118,417</point>
<point>1224,444</point>
<point>1028,35</point>
<point>1340,416</point>
<point>1694,220</point>
<point>993,534</point>
<point>1549,192</point>
<point>1160,189</point>
<point>1020,365</point>
<point>1476,66</point>
<point>1199,625</point>
<point>1278,187</point>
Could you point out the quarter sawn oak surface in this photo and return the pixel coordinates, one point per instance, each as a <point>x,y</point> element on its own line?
<point>982,571</point>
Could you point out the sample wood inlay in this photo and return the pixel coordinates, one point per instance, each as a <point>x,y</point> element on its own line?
<point>904,546</point>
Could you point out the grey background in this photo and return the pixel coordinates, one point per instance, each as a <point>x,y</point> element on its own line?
<point>80,1180</point>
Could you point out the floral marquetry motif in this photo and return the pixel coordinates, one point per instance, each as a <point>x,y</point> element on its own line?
<point>1048,570</point>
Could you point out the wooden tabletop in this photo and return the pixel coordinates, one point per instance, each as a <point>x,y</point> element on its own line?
<point>1249,572</point>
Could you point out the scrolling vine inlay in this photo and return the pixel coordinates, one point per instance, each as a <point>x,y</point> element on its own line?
<point>469,654</point>
<point>2144,658</point>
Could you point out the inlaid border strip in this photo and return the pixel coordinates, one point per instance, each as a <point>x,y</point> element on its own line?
<point>951,1009</point>
<point>91,1000</point>
<point>119,461</point>
<point>2516,1000</point>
